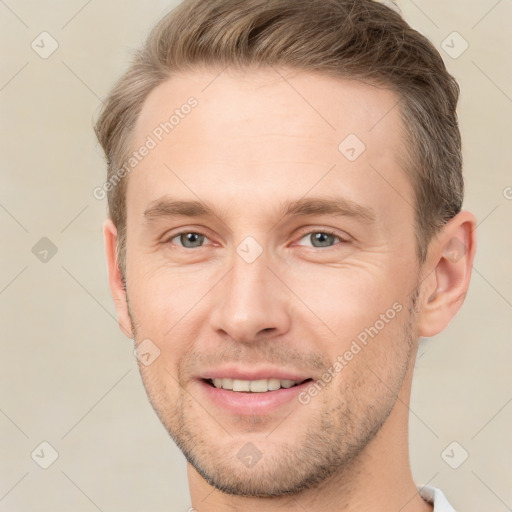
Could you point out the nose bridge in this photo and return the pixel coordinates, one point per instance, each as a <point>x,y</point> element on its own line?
<point>250,299</point>
<point>250,282</point>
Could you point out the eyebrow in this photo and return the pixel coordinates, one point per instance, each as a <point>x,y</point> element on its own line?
<point>170,208</point>
<point>336,206</point>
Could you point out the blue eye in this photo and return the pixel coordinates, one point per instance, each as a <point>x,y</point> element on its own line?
<point>189,240</point>
<point>321,238</point>
<point>317,239</point>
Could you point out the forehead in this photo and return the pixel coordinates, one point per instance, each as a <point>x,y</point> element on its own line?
<point>271,100</point>
<point>271,130</point>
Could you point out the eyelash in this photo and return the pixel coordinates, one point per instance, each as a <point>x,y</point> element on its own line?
<point>322,231</point>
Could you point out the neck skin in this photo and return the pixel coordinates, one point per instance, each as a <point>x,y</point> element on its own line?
<point>379,480</point>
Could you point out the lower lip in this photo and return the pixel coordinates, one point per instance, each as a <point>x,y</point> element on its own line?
<point>251,403</point>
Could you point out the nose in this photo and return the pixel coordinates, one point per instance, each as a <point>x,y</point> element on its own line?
<point>250,303</point>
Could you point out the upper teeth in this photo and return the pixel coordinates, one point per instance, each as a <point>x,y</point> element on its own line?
<point>256,386</point>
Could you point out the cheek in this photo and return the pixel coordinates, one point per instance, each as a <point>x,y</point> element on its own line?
<point>162,296</point>
<point>162,389</point>
<point>349,298</point>
<point>164,310</point>
<point>375,365</point>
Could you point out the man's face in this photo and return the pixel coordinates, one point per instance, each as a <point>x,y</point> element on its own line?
<point>275,286</point>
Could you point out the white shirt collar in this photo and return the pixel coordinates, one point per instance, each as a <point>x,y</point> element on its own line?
<point>435,497</point>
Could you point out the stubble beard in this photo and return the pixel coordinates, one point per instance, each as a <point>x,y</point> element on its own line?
<point>329,447</point>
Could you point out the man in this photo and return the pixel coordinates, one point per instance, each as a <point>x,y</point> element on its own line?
<point>285,189</point>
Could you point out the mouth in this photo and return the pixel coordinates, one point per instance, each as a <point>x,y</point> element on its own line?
<point>254,386</point>
<point>258,395</point>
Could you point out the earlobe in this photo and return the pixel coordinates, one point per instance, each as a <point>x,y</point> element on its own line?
<point>449,263</point>
<point>116,283</point>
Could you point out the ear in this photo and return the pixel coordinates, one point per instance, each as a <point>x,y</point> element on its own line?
<point>115,278</point>
<point>447,272</point>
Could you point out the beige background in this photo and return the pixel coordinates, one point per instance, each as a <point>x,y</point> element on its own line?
<point>69,377</point>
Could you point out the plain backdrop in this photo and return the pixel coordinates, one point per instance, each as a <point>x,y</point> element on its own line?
<point>69,377</point>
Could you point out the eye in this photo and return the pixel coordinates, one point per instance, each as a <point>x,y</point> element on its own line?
<point>188,239</point>
<point>321,239</point>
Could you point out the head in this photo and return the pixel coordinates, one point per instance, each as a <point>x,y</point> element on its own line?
<point>304,205</point>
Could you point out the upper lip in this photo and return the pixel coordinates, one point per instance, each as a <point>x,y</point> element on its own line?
<point>253,374</point>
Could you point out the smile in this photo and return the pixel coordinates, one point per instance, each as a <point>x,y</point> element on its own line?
<point>253,386</point>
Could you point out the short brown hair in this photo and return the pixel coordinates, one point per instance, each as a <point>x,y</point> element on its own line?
<point>356,39</point>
